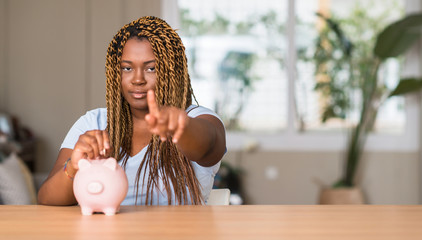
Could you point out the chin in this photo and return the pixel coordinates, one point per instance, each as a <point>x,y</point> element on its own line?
<point>139,107</point>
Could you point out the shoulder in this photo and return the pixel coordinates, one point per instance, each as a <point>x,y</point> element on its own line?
<point>195,111</point>
<point>96,118</point>
<point>93,119</point>
<point>96,113</point>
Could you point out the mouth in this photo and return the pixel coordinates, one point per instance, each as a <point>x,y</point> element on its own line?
<point>138,95</point>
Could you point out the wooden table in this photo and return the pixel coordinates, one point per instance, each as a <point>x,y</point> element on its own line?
<point>314,222</point>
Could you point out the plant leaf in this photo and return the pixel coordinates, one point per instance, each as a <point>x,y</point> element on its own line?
<point>397,37</point>
<point>407,85</point>
<point>345,43</point>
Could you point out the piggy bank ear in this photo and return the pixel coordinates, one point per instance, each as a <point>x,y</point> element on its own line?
<point>110,163</point>
<point>83,164</point>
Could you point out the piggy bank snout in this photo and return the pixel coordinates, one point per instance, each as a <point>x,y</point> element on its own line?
<point>95,187</point>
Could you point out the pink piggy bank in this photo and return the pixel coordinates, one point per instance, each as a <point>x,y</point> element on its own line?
<point>100,186</point>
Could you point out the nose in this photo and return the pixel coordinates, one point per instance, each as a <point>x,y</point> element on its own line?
<point>138,78</point>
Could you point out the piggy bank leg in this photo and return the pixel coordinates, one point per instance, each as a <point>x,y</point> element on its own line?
<point>86,211</point>
<point>110,211</point>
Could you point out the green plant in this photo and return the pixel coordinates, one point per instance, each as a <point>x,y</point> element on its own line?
<point>362,76</point>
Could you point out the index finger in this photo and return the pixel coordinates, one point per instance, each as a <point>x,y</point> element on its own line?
<point>152,104</point>
<point>106,144</point>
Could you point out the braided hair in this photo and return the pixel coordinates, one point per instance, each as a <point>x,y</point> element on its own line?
<point>172,88</point>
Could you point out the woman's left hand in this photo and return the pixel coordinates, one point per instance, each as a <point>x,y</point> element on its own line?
<point>165,121</point>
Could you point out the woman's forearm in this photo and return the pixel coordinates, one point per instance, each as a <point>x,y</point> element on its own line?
<point>58,188</point>
<point>203,140</point>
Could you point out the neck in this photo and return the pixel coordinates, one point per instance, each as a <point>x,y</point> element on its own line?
<point>138,115</point>
<point>141,135</point>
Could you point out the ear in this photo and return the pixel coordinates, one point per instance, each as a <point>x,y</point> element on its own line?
<point>84,164</point>
<point>110,163</point>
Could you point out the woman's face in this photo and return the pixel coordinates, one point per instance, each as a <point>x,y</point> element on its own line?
<point>138,72</point>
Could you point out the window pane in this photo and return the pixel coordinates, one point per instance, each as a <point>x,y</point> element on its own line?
<point>318,47</point>
<point>236,51</point>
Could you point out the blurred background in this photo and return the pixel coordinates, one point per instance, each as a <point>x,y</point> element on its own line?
<point>279,75</point>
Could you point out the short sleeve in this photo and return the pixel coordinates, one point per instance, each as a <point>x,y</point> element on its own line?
<point>194,111</point>
<point>93,120</point>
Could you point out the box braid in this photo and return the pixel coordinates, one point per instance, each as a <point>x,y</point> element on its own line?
<point>173,88</point>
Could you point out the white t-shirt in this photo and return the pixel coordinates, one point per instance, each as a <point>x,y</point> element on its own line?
<point>97,119</point>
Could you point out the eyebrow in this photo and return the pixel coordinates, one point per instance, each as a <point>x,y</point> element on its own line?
<point>147,62</point>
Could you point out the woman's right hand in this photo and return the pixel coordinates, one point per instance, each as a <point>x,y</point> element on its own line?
<point>92,144</point>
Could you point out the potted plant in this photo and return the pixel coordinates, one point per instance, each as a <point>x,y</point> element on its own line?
<point>363,77</point>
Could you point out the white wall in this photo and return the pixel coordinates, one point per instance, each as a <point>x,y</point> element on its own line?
<point>3,56</point>
<point>52,56</point>
<point>293,177</point>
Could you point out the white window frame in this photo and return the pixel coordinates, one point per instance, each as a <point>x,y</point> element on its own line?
<point>292,140</point>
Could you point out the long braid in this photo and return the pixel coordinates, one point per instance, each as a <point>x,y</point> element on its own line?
<point>173,88</point>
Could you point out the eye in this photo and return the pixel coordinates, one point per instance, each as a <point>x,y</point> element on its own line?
<point>151,69</point>
<point>126,69</point>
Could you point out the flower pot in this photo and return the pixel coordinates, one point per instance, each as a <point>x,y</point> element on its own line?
<point>351,195</point>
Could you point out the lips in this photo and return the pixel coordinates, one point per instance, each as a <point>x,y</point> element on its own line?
<point>138,95</point>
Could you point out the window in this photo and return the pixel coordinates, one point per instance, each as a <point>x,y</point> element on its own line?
<point>252,62</point>
<point>236,51</point>
<point>330,89</point>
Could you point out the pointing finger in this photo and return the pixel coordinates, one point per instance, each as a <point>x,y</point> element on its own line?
<point>152,104</point>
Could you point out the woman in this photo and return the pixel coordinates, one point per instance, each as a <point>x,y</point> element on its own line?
<point>170,149</point>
